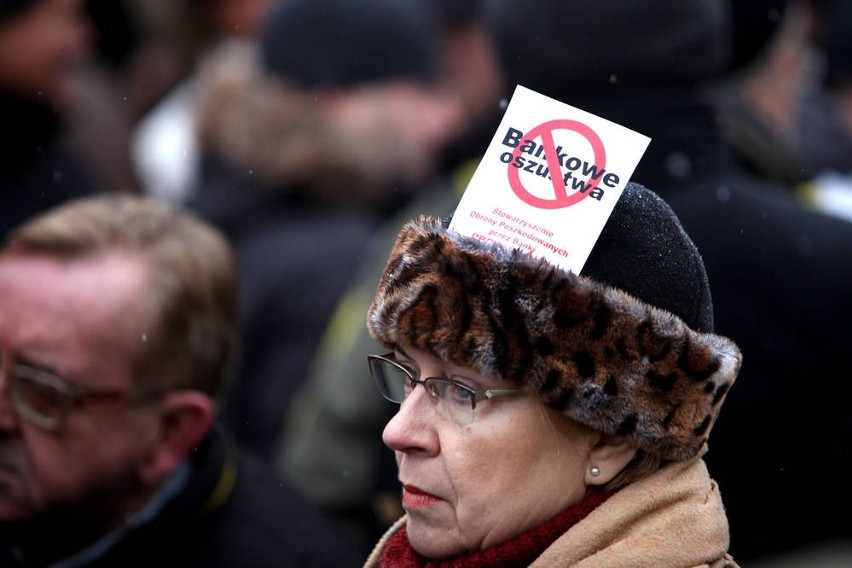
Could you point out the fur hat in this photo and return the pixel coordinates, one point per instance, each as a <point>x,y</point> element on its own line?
<point>626,347</point>
<point>343,43</point>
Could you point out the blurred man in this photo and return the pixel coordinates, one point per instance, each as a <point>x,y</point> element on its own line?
<point>331,449</point>
<point>308,141</point>
<point>117,333</point>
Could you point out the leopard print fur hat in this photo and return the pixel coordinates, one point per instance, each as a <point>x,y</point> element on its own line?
<point>626,347</point>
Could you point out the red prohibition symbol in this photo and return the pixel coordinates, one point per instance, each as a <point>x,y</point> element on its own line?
<point>560,191</point>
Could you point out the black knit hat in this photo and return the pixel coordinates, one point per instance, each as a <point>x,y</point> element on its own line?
<point>624,348</point>
<point>644,250</point>
<point>565,48</point>
<point>342,43</point>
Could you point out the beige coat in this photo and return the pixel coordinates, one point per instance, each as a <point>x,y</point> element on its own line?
<point>674,518</point>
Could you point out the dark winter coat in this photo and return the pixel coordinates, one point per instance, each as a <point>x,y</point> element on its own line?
<point>258,522</point>
<point>36,171</point>
<point>231,511</point>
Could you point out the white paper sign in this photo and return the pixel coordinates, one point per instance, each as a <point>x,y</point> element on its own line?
<point>514,199</point>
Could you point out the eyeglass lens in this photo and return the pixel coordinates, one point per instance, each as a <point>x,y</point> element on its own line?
<point>453,401</point>
<point>394,383</point>
<point>38,397</point>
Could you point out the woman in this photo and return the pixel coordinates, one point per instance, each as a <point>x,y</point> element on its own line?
<point>562,419</point>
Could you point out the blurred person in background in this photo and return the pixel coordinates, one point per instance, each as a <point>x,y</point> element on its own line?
<point>330,447</point>
<point>471,71</point>
<point>777,105</point>
<point>308,140</point>
<point>135,53</point>
<point>779,271</point>
<point>42,45</point>
<point>163,142</point>
<point>760,100</point>
<point>830,189</point>
<point>118,329</point>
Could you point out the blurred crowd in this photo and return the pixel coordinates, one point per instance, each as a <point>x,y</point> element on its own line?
<point>308,131</point>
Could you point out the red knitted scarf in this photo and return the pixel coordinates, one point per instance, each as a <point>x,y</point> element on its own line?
<point>517,552</point>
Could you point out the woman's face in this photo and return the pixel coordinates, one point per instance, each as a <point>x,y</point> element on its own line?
<point>468,487</point>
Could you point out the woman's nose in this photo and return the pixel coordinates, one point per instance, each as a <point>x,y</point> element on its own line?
<point>411,427</point>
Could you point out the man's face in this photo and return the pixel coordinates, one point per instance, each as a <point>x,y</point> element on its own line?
<point>40,47</point>
<point>379,119</point>
<point>76,320</point>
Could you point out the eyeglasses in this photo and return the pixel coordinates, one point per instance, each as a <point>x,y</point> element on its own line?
<point>454,400</point>
<point>44,399</point>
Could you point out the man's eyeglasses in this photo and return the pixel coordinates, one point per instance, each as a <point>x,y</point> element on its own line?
<point>454,400</point>
<point>44,399</point>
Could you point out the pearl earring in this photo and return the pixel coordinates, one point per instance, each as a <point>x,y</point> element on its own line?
<point>595,471</point>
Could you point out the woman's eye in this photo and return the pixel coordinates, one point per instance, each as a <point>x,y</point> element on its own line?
<point>459,393</point>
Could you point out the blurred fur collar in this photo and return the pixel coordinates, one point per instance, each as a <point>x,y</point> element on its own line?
<point>259,123</point>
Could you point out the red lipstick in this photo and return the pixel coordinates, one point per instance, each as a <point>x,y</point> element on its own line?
<point>413,497</point>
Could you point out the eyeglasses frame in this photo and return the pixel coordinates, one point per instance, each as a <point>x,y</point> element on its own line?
<point>71,396</point>
<point>478,394</point>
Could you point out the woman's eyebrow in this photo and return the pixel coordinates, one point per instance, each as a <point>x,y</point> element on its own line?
<point>431,359</point>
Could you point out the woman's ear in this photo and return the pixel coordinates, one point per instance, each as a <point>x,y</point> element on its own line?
<point>608,457</point>
<point>185,418</point>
